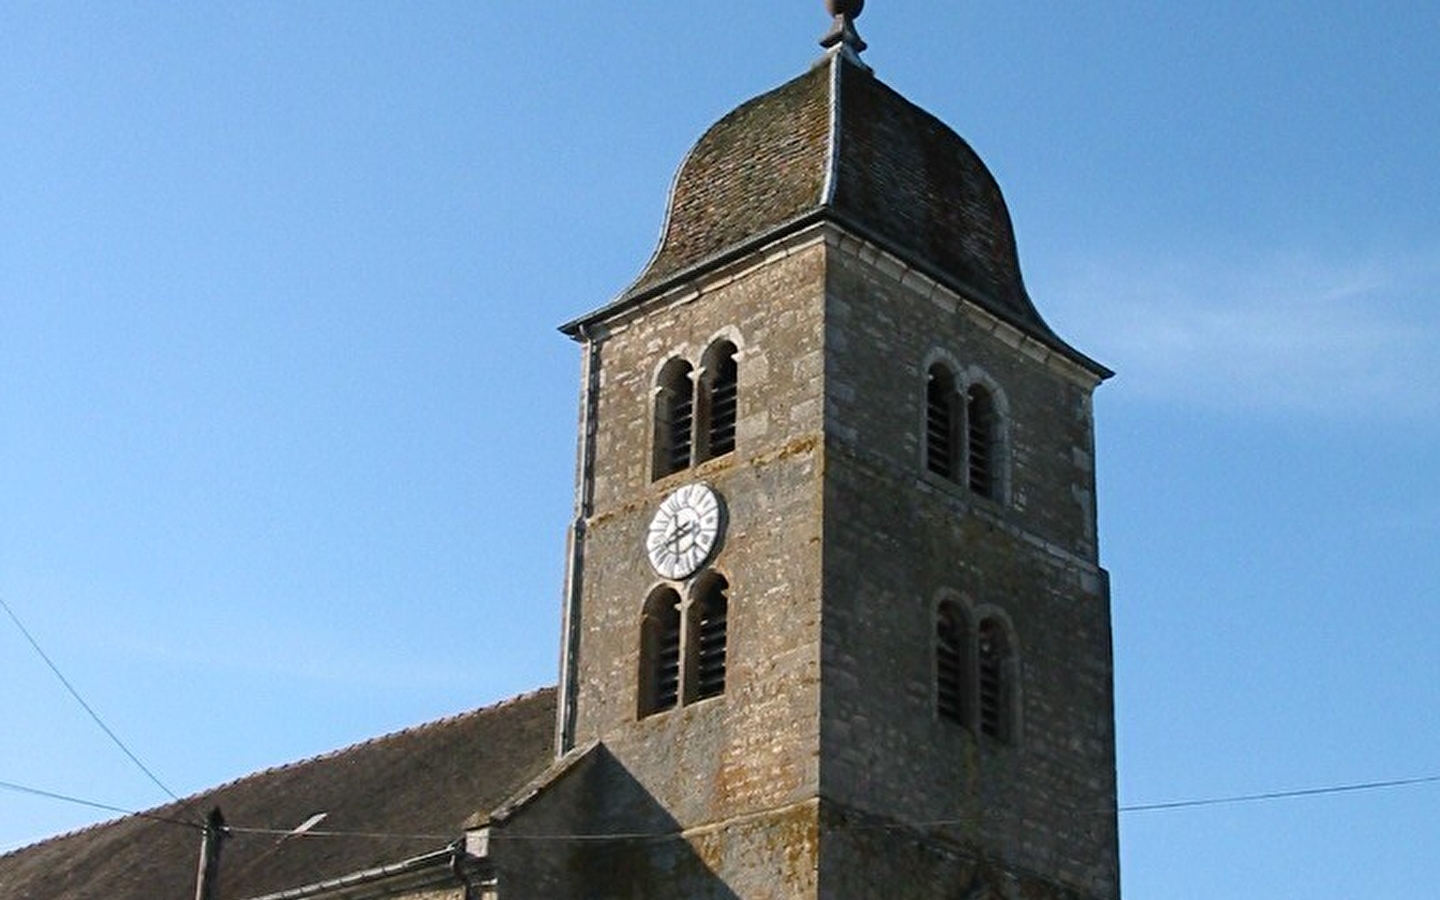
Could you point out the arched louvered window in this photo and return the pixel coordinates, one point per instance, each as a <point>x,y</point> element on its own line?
<point>674,418</point>
<point>975,672</point>
<point>965,431</point>
<point>684,645</point>
<point>940,422</point>
<point>993,680</point>
<point>709,611</point>
<point>718,398</point>
<point>659,681</point>
<point>981,431</point>
<point>950,662</point>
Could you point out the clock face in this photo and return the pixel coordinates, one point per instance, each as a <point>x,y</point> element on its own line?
<point>684,531</point>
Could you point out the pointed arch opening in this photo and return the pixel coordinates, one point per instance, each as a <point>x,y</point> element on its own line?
<point>951,638</point>
<point>994,680</point>
<point>709,637</point>
<point>718,400</point>
<point>941,421</point>
<point>674,418</point>
<point>981,436</point>
<point>659,676</point>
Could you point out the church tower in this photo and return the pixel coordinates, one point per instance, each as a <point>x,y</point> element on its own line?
<point>835,621</point>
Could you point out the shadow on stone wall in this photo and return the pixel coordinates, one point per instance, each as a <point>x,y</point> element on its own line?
<point>596,832</point>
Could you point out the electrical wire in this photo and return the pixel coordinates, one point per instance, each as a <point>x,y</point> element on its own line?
<point>51,795</point>
<point>1281,795</point>
<point>1162,806</point>
<point>318,833</point>
<point>81,700</point>
<point>1125,809</point>
<point>1269,796</point>
<point>939,823</point>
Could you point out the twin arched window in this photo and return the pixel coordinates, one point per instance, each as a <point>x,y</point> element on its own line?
<point>963,433</point>
<point>683,645</point>
<point>695,417</point>
<point>976,672</point>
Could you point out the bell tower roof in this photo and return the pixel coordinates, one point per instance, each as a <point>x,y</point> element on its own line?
<point>837,144</point>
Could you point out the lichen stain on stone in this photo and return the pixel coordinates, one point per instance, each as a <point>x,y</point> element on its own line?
<point>731,779</point>
<point>797,834</point>
<point>800,445</point>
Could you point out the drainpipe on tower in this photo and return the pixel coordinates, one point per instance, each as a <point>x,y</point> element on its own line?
<point>574,576</point>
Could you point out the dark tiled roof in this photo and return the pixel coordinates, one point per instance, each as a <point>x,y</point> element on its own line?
<point>424,781</point>
<point>838,144</point>
<point>759,167</point>
<point>917,187</point>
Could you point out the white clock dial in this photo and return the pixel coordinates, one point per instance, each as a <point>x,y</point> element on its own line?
<point>684,531</point>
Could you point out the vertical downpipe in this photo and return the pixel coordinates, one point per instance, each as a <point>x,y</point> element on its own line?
<point>575,562</point>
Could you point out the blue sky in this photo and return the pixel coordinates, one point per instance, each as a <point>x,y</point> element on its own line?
<point>286,431</point>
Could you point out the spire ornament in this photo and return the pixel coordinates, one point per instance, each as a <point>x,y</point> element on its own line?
<point>843,38</point>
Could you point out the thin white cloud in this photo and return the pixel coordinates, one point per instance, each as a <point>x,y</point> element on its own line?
<point>1293,334</point>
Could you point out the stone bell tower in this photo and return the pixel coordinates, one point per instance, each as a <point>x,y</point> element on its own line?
<point>835,621</point>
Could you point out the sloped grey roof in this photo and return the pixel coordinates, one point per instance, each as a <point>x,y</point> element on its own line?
<point>838,144</point>
<point>759,168</point>
<point>416,788</point>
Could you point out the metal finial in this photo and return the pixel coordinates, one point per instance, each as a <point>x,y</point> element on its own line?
<point>842,33</point>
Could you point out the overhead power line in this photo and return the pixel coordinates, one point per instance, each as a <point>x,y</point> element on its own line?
<point>1269,796</point>
<point>320,833</point>
<point>1281,795</point>
<point>79,801</point>
<point>81,700</point>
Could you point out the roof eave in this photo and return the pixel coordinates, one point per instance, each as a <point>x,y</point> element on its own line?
<point>1036,329</point>
<point>427,870</point>
<point>578,329</point>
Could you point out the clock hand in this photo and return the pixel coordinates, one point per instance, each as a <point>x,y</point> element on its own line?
<point>681,529</point>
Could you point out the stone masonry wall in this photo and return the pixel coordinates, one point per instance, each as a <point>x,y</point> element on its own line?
<point>755,747</point>
<point>595,834</point>
<point>837,548</point>
<point>896,537</point>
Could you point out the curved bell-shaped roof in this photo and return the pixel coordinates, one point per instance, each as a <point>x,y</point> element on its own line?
<point>838,144</point>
